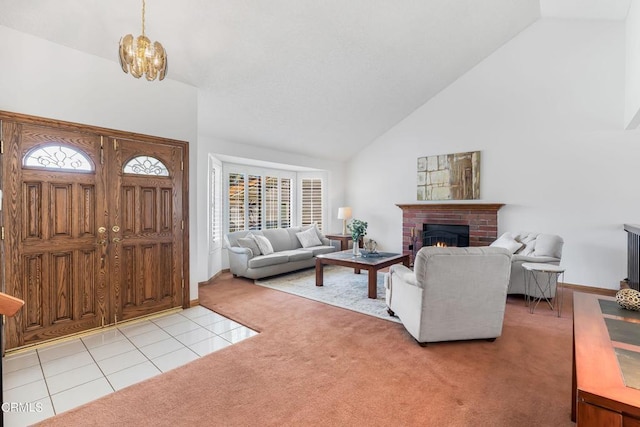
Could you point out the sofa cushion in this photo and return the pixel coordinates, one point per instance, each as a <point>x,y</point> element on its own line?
<point>264,244</point>
<point>280,239</point>
<point>297,254</point>
<point>250,243</point>
<point>317,250</point>
<point>309,238</point>
<point>266,260</point>
<point>548,245</point>
<point>508,242</point>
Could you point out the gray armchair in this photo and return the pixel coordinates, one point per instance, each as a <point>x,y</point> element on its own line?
<point>454,293</point>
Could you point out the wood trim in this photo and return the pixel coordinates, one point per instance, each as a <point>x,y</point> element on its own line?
<point>214,277</point>
<point>453,206</point>
<point>590,289</point>
<point>194,302</point>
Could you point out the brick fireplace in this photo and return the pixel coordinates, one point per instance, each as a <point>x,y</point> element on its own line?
<point>482,219</point>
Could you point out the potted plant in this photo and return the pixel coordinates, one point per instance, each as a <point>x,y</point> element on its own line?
<point>358,229</point>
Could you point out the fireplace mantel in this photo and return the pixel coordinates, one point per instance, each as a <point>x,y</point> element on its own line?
<point>453,206</point>
<point>482,219</point>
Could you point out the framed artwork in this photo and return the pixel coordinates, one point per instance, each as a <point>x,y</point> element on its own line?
<point>449,176</point>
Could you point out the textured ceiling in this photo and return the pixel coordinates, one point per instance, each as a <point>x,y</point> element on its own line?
<point>318,78</point>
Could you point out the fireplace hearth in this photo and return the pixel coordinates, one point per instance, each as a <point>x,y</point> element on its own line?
<point>445,235</point>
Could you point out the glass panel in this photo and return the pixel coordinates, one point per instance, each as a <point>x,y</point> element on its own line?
<point>312,202</point>
<point>285,202</point>
<point>236,202</point>
<point>255,202</point>
<point>271,202</point>
<point>146,165</point>
<point>58,157</point>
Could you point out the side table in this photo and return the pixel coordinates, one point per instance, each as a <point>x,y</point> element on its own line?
<point>343,238</point>
<point>532,270</point>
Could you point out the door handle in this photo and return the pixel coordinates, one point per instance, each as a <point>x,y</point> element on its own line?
<point>102,238</point>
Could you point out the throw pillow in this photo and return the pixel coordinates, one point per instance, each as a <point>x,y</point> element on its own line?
<point>314,226</point>
<point>548,245</point>
<point>309,238</point>
<point>507,242</point>
<point>249,243</point>
<point>264,244</point>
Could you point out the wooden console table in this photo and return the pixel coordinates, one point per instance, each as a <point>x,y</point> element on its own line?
<point>344,240</point>
<point>606,363</point>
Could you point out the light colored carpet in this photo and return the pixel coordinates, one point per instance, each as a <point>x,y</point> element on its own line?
<point>342,288</point>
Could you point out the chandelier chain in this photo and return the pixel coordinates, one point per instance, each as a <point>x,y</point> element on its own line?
<point>143,7</point>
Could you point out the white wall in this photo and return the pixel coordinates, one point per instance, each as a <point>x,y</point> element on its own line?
<point>632,75</point>
<point>547,112</point>
<point>49,80</point>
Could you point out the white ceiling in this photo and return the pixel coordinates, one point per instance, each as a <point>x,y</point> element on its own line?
<point>319,78</point>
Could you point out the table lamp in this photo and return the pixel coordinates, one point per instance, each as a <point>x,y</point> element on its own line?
<point>344,214</point>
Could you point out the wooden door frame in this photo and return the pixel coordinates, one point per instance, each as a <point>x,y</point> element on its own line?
<point>107,133</point>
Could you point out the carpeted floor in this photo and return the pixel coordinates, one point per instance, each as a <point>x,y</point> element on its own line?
<point>316,364</point>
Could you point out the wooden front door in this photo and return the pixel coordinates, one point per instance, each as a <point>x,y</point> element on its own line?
<point>93,227</point>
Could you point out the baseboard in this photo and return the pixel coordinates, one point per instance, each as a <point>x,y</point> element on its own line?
<point>590,289</point>
<point>194,302</point>
<point>214,277</point>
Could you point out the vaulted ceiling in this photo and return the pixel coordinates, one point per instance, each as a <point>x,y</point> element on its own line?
<point>318,78</point>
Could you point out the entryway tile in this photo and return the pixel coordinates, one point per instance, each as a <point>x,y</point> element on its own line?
<point>133,374</point>
<point>73,378</point>
<point>22,377</point>
<point>110,350</point>
<point>223,326</point>
<point>181,328</point>
<point>80,395</point>
<point>174,359</point>
<point>238,334</point>
<point>63,364</point>
<point>35,412</point>
<point>138,328</point>
<point>161,347</point>
<point>194,336</point>
<point>208,346</point>
<point>121,361</point>
<point>56,351</point>
<point>149,338</point>
<point>27,393</point>
<point>209,319</point>
<point>103,338</point>
<point>172,319</point>
<point>19,361</point>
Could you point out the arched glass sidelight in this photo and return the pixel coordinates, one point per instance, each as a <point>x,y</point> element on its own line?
<point>57,156</point>
<point>146,165</point>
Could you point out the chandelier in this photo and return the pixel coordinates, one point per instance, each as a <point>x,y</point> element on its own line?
<point>139,56</point>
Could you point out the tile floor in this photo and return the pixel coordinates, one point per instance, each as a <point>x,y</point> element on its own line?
<point>52,378</point>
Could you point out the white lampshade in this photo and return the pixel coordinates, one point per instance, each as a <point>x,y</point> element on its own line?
<point>344,213</point>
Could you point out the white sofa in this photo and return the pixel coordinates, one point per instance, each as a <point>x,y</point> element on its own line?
<point>452,294</point>
<point>529,246</point>
<point>247,259</point>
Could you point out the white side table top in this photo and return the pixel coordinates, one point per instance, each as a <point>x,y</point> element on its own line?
<point>546,268</point>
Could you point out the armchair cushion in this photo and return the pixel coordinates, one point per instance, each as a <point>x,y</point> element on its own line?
<point>508,242</point>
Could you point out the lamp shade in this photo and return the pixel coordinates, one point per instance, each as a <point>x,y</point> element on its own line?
<point>344,213</point>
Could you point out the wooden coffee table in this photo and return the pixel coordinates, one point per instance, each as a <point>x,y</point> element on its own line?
<point>369,263</point>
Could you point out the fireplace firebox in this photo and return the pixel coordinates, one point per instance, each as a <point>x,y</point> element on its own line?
<point>445,235</point>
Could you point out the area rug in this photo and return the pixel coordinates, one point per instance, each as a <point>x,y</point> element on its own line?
<point>341,288</point>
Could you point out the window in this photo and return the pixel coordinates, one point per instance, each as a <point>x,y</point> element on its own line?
<point>236,202</point>
<point>312,201</point>
<point>285,202</point>
<point>146,165</point>
<point>255,202</point>
<point>259,200</point>
<point>215,200</point>
<point>56,156</point>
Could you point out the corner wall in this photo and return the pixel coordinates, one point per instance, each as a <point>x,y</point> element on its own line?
<point>547,112</point>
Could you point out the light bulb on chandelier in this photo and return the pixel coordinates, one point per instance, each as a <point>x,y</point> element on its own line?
<point>141,57</point>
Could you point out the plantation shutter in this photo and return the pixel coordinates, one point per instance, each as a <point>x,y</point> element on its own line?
<point>312,201</point>
<point>236,202</point>
<point>285,202</point>
<point>271,202</point>
<point>255,202</point>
